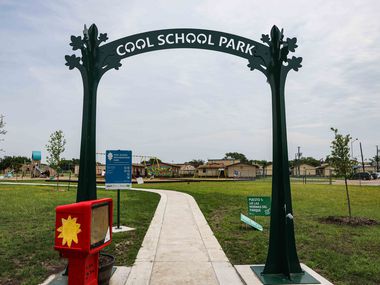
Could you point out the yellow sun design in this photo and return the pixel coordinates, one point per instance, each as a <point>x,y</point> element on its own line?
<point>69,231</point>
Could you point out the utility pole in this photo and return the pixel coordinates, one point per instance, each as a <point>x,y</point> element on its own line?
<point>352,148</point>
<point>2,131</point>
<point>377,158</point>
<point>361,153</point>
<point>298,155</point>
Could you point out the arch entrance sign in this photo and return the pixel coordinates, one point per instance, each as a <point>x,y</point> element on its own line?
<point>269,57</point>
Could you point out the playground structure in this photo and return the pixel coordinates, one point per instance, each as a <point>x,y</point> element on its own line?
<point>36,168</point>
<point>36,164</point>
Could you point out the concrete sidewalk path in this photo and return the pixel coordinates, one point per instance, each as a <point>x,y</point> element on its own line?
<point>180,248</point>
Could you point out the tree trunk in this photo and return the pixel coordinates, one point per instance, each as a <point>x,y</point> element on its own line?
<point>348,197</point>
<point>57,179</point>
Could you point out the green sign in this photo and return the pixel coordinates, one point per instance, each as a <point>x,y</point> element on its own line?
<point>259,206</point>
<point>251,223</point>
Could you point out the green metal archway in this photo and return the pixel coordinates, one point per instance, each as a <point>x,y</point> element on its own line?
<point>270,58</point>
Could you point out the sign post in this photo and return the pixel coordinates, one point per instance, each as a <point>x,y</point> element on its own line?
<point>118,173</point>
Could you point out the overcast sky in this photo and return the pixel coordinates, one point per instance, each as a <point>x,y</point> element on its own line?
<point>191,104</point>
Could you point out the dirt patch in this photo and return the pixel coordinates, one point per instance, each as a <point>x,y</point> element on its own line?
<point>7,281</point>
<point>354,221</point>
<point>54,268</point>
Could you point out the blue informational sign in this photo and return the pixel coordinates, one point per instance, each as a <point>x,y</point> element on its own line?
<point>118,169</point>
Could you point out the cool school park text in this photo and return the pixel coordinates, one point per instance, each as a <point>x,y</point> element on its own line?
<point>184,40</point>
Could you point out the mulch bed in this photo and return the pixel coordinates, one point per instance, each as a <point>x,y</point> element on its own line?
<point>354,221</point>
<point>105,260</point>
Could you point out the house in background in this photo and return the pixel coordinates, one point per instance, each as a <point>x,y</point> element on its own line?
<point>186,170</point>
<point>268,170</point>
<point>304,169</point>
<point>241,170</point>
<point>227,168</point>
<point>215,167</point>
<point>211,170</point>
<point>138,170</point>
<point>100,169</point>
<point>325,170</point>
<point>163,169</point>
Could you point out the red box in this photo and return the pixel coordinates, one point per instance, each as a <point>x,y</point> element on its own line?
<point>81,231</point>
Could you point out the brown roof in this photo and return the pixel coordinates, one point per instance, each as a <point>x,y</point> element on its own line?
<point>138,165</point>
<point>254,165</point>
<point>325,165</point>
<point>169,164</point>
<point>212,165</point>
<point>187,167</point>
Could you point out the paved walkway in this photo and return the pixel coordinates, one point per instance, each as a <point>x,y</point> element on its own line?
<point>180,248</point>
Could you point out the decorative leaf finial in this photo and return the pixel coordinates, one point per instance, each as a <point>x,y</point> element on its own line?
<point>279,50</point>
<point>89,45</point>
<point>73,61</point>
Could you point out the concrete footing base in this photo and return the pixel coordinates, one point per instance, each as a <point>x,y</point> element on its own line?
<point>119,277</point>
<point>121,229</point>
<point>250,278</point>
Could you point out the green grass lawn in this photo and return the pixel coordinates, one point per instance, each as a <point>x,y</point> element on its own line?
<point>27,222</point>
<point>343,254</point>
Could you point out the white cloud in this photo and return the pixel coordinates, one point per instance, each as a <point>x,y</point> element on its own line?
<point>184,104</point>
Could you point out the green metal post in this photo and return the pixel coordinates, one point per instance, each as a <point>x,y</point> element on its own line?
<point>282,255</point>
<point>91,74</point>
<point>87,165</point>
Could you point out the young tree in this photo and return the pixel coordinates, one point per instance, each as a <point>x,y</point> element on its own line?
<point>236,156</point>
<point>340,160</point>
<point>196,162</point>
<point>2,131</point>
<point>55,147</point>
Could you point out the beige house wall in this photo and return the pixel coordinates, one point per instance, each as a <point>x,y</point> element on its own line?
<point>268,170</point>
<point>138,171</point>
<point>305,169</point>
<point>187,170</point>
<point>327,171</point>
<point>209,172</point>
<point>243,170</point>
<point>99,169</point>
<point>76,169</point>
